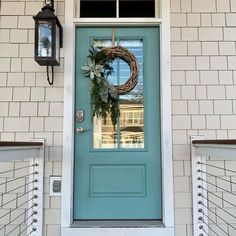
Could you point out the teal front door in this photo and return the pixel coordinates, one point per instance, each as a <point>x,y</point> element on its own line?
<point>117,172</point>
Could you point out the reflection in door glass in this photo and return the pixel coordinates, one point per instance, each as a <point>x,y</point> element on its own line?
<point>104,134</point>
<point>129,132</point>
<point>131,104</point>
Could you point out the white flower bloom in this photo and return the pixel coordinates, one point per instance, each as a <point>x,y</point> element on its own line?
<point>91,74</point>
<point>90,69</point>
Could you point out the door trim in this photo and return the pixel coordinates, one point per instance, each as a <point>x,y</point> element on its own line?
<point>155,231</point>
<point>68,136</point>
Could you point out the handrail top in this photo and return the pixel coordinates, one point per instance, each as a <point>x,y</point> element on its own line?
<point>20,144</point>
<point>18,150</point>
<point>215,141</point>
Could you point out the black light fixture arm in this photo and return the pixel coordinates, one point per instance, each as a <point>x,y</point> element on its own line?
<point>48,78</point>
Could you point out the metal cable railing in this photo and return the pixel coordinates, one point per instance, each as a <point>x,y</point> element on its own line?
<point>21,190</point>
<point>25,210</point>
<point>19,168</point>
<point>214,208</point>
<point>214,188</point>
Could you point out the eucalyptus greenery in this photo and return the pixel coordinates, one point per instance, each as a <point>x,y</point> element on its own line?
<point>104,95</point>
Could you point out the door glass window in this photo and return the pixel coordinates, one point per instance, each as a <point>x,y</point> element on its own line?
<point>129,131</point>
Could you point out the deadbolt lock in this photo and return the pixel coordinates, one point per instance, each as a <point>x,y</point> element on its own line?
<point>79,115</point>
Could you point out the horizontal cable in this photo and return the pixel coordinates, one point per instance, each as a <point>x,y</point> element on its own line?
<point>17,207</point>
<point>14,199</point>
<point>21,232</point>
<point>221,198</point>
<point>208,227</point>
<point>19,187</point>
<point>20,168</point>
<point>219,207</point>
<point>17,217</point>
<point>217,167</point>
<point>205,231</point>
<point>232,182</point>
<point>214,223</point>
<point>217,186</point>
<point>9,181</point>
<point>30,232</point>
<point>217,215</point>
<point>21,224</point>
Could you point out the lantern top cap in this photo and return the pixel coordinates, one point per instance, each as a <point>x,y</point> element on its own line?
<point>47,13</point>
<point>47,7</point>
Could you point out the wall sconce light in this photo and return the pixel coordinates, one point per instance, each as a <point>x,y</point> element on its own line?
<point>48,38</point>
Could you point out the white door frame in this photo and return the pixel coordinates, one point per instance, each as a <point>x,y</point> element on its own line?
<point>166,137</point>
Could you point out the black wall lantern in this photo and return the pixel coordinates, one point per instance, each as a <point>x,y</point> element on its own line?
<point>48,38</point>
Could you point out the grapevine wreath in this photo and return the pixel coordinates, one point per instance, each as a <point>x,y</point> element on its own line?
<point>104,95</point>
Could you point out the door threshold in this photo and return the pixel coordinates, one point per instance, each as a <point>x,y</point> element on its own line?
<point>117,224</point>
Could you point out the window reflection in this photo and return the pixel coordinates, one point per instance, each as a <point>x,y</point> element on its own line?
<point>104,135</point>
<point>132,120</point>
<point>129,132</point>
<point>131,104</point>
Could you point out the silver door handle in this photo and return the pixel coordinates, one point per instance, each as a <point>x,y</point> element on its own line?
<point>81,130</point>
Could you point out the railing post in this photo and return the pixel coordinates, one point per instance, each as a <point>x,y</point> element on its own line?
<point>199,195</point>
<point>37,167</point>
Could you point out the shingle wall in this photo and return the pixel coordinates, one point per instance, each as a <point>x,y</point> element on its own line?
<point>203,34</point>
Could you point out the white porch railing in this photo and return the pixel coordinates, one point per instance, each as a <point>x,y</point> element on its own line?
<point>214,186</point>
<point>21,188</point>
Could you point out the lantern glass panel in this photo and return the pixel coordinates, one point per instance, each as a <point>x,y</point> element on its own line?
<point>45,39</point>
<point>57,44</point>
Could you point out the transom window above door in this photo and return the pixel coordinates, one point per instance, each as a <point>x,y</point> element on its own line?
<point>117,8</point>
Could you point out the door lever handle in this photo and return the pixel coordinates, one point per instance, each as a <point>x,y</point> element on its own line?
<point>80,130</point>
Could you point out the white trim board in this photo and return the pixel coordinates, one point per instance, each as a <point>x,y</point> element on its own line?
<point>68,147</point>
<point>117,231</point>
